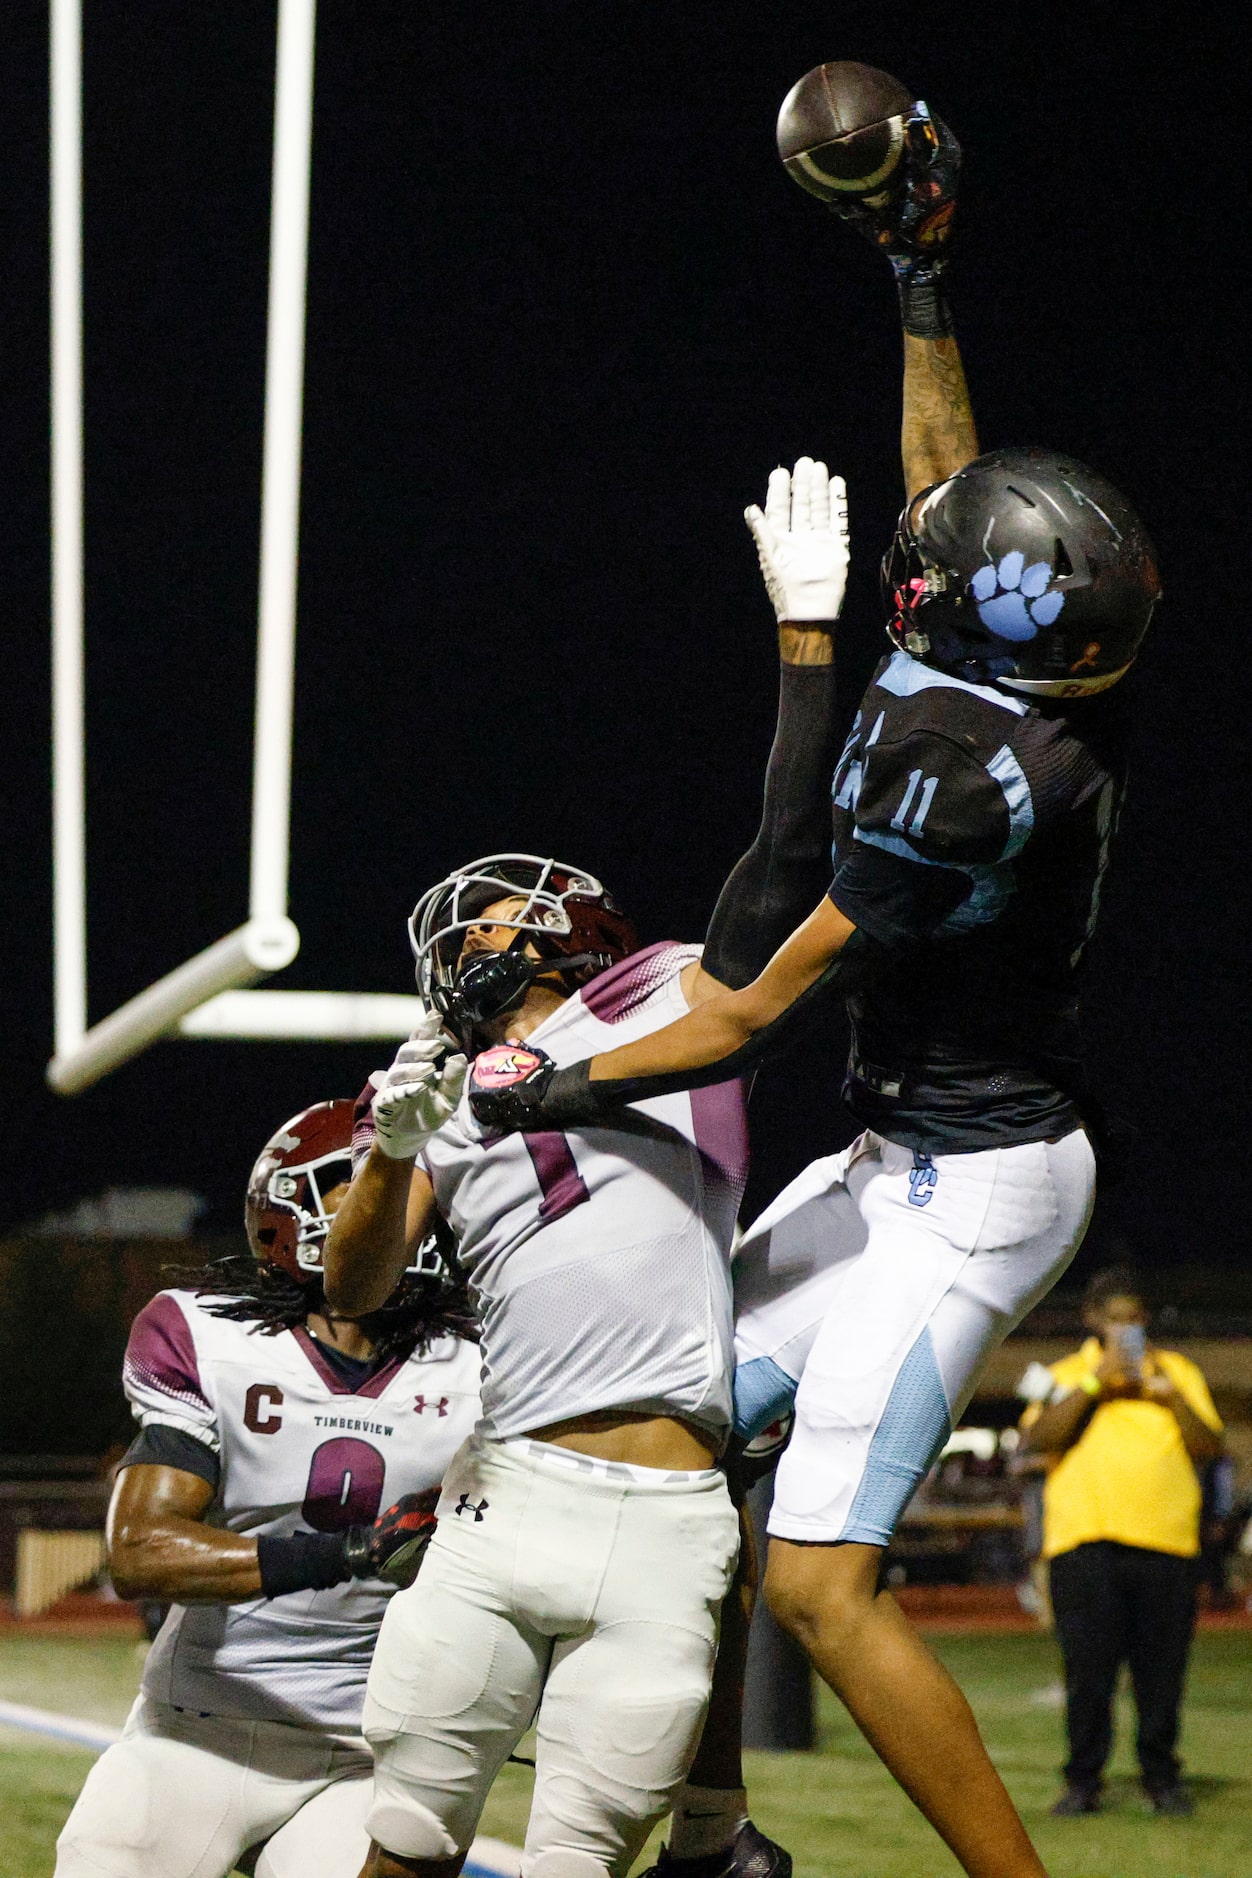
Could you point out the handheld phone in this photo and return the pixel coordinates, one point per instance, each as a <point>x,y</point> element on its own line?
<point>1132,1344</point>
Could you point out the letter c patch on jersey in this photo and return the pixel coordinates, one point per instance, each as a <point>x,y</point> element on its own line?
<point>258,1408</point>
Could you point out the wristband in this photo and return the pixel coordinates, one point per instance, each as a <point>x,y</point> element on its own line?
<point>1089,1384</point>
<point>923,304</point>
<point>304,1561</point>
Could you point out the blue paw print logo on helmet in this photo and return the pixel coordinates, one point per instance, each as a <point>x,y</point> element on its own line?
<point>1013,599</point>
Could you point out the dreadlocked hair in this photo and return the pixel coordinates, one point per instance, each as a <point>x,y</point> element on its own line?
<point>422,1308</point>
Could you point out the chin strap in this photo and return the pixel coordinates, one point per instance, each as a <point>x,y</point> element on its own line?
<point>494,984</point>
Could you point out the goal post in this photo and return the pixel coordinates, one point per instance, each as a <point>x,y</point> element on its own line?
<point>251,952</point>
<point>69,862</point>
<point>305,1016</point>
<point>209,995</point>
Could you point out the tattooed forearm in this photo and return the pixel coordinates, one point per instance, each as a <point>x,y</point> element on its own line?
<point>938,436</point>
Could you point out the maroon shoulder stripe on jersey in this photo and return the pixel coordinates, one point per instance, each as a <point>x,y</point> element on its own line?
<point>614,994</point>
<point>161,1352</point>
<point>719,1117</point>
<point>363,1124</point>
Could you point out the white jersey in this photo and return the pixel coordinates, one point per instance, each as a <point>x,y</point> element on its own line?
<point>297,1447</point>
<point>601,1256</point>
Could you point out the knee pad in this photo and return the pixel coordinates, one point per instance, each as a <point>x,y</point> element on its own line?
<point>564,1864</point>
<point>411,1830</point>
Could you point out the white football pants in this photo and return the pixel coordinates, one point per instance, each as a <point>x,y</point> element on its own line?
<point>586,1592</point>
<point>183,1795</point>
<point>871,1293</point>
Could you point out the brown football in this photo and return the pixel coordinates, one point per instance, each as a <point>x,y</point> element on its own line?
<point>841,131</point>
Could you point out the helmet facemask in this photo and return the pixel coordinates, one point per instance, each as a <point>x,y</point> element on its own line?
<point>565,916</point>
<point>925,601</point>
<point>303,1192</point>
<point>286,1210</point>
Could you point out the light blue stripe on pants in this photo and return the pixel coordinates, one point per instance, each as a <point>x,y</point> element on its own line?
<point>880,1286</point>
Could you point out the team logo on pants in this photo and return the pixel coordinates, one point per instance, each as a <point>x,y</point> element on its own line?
<point>923,1179</point>
<point>466,1505</point>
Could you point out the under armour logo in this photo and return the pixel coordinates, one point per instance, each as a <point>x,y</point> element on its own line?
<point>466,1505</point>
<point>923,1180</point>
<point>420,1405</point>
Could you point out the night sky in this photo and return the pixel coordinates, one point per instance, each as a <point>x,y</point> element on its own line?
<point>565,313</point>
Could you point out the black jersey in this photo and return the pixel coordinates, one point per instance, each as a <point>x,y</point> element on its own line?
<point>971,833</point>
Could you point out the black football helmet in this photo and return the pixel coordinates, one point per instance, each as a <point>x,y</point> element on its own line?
<point>567,917</point>
<point>1026,568</point>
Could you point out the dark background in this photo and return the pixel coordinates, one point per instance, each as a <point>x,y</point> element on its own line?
<point>565,313</point>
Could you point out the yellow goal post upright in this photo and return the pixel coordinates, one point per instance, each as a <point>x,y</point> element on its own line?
<point>212,994</point>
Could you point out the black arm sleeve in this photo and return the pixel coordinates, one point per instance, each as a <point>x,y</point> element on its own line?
<point>572,1098</point>
<point>159,1445</point>
<point>780,879</point>
<point>301,1561</point>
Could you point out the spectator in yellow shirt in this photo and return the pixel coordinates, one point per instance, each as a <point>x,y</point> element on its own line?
<point>1124,1428</point>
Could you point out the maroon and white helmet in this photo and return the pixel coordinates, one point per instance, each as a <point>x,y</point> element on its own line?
<point>297,1171</point>
<point>285,1209</point>
<point>564,915</point>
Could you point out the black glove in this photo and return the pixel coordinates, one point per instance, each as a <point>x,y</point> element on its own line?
<point>750,1461</point>
<point>392,1548</point>
<point>507,1086</point>
<point>911,220</point>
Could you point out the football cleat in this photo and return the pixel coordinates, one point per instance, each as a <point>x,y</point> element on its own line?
<point>1175,1801</point>
<point>751,1856</point>
<point>1076,1802</point>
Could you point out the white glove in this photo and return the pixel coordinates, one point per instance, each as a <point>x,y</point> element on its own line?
<point>421,1090</point>
<point>802,541</point>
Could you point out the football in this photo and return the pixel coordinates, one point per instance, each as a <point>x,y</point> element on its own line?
<point>841,129</point>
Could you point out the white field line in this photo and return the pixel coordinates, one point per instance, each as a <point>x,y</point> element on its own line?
<point>41,1721</point>
<point>488,1858</point>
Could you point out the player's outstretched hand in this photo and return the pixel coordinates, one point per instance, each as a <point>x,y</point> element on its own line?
<point>802,541</point>
<point>393,1546</point>
<point>911,218</point>
<point>422,1089</point>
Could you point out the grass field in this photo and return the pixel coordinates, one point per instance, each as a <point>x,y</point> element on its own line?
<point>835,1809</point>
